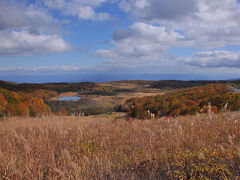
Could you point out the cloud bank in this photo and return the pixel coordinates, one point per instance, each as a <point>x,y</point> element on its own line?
<point>49,69</point>
<point>215,59</point>
<point>24,43</point>
<point>29,30</point>
<point>141,40</point>
<point>161,25</point>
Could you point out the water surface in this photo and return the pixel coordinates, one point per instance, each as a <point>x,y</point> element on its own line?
<point>69,98</point>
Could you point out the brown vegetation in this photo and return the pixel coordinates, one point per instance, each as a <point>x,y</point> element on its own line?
<point>112,148</point>
<point>184,101</point>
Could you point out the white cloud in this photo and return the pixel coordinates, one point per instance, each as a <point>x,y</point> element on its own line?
<point>31,18</point>
<point>215,59</point>
<point>162,25</point>
<point>24,43</point>
<point>141,40</point>
<point>29,30</point>
<point>59,4</point>
<point>56,4</point>
<point>86,12</point>
<point>204,24</point>
<point>155,10</point>
<point>83,9</point>
<point>48,69</point>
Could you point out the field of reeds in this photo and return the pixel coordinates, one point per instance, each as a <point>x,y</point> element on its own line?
<point>109,147</point>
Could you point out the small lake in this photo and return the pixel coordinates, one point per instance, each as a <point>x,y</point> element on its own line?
<point>235,90</point>
<point>69,98</point>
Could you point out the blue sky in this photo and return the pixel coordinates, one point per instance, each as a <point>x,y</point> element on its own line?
<point>194,39</point>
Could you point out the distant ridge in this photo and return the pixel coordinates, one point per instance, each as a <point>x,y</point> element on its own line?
<point>65,86</point>
<point>73,78</point>
<point>8,85</point>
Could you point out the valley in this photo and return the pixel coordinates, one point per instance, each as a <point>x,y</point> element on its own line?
<point>99,98</point>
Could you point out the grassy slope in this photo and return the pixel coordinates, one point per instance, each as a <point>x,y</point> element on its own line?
<point>109,147</point>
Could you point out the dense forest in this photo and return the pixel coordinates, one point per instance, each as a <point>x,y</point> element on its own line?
<point>184,101</point>
<point>21,104</point>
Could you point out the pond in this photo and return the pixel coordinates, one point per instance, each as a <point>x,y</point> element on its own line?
<point>69,98</point>
<point>235,90</point>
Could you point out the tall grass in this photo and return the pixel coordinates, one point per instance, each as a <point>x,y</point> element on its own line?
<point>112,148</point>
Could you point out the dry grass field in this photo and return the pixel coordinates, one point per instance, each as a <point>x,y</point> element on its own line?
<point>109,147</point>
<point>120,98</point>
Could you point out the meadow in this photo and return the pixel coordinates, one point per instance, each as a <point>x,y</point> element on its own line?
<point>110,147</point>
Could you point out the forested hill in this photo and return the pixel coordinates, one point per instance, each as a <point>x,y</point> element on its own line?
<point>49,89</point>
<point>185,84</point>
<point>74,87</point>
<point>60,87</point>
<point>21,104</point>
<point>184,101</point>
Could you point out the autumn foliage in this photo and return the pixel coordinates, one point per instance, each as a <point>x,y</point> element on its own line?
<point>184,101</point>
<point>16,104</point>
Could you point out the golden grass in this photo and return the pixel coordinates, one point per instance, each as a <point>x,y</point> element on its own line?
<point>119,85</point>
<point>120,98</point>
<point>109,147</point>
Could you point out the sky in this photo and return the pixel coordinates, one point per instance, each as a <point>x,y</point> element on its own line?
<point>100,40</point>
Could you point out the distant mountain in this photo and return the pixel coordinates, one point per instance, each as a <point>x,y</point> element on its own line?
<point>73,78</point>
